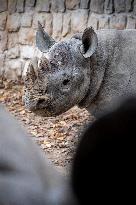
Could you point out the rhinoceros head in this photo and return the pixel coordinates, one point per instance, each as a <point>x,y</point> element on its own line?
<point>62,77</point>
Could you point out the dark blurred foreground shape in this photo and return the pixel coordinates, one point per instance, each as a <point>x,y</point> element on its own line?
<point>104,165</point>
<point>103,168</point>
<point>26,176</point>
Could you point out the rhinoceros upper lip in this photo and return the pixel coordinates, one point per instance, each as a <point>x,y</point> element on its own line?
<point>43,112</point>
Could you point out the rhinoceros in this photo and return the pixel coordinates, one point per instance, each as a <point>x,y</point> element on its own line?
<point>91,70</point>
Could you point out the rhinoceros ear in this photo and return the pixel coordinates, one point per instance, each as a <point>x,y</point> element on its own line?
<point>43,40</point>
<point>89,42</point>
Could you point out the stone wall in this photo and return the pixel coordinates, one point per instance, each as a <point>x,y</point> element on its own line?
<point>61,18</point>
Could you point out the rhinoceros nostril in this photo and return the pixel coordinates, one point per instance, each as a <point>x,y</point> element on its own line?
<point>40,101</point>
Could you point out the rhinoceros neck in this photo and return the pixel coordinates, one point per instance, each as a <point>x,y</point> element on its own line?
<point>99,64</point>
<point>97,68</point>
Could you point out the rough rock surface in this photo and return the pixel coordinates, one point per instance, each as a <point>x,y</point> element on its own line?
<point>61,18</point>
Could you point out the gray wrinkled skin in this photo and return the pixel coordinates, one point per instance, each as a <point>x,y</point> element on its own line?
<point>114,76</point>
<point>90,70</point>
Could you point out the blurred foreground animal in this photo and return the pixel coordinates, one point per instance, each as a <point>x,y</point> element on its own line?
<point>26,176</point>
<point>104,165</point>
<point>103,169</point>
<point>91,70</point>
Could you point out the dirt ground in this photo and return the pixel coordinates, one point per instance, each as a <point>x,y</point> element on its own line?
<point>57,136</point>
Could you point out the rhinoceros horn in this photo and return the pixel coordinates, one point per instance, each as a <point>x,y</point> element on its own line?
<point>30,76</point>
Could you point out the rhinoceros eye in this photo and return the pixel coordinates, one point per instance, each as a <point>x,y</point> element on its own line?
<point>66,81</point>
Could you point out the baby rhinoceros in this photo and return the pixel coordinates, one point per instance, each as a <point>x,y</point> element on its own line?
<point>91,70</point>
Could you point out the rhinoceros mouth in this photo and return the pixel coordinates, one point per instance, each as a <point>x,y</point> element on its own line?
<point>45,112</point>
<point>43,109</point>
